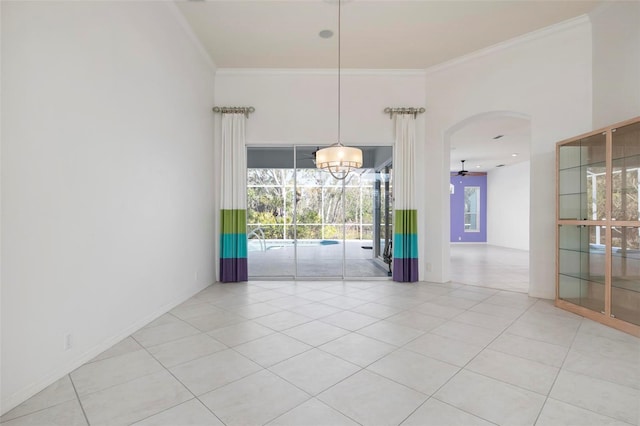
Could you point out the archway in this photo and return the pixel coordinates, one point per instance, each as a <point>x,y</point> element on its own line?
<point>489,209</point>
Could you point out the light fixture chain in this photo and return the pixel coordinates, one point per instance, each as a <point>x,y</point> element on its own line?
<point>338,159</point>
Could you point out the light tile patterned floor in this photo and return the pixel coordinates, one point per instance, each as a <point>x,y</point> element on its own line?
<point>348,353</point>
<point>490,266</point>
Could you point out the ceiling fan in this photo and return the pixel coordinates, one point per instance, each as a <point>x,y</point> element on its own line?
<point>463,172</point>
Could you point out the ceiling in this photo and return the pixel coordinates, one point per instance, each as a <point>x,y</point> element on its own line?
<point>381,34</point>
<point>375,34</point>
<point>475,143</point>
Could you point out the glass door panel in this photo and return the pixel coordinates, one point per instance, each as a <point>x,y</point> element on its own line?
<point>319,220</point>
<point>626,173</point>
<point>582,266</point>
<point>383,216</point>
<point>625,274</point>
<point>360,257</point>
<point>582,191</point>
<point>270,212</point>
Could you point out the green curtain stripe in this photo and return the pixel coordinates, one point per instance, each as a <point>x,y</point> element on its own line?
<point>233,221</point>
<point>406,222</point>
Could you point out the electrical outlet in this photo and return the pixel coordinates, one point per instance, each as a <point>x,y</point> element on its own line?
<point>428,267</point>
<point>67,341</point>
<point>195,276</point>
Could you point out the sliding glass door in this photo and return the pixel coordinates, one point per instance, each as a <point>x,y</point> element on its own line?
<point>271,200</point>
<point>383,215</point>
<point>319,220</point>
<point>303,223</point>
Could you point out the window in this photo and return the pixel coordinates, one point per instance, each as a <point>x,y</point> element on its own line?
<point>472,209</point>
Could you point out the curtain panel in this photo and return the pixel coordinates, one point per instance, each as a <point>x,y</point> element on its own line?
<point>405,223</point>
<point>233,203</point>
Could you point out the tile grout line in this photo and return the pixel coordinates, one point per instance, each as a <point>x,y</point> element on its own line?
<point>558,374</point>
<point>468,362</point>
<point>463,367</point>
<point>268,369</point>
<point>404,310</point>
<point>397,348</point>
<point>178,380</point>
<point>79,400</point>
<point>561,369</point>
<point>360,368</point>
<point>444,402</point>
<point>117,384</point>
<point>32,412</point>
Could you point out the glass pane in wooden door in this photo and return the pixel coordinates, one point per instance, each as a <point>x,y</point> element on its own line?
<point>582,266</point>
<point>582,189</point>
<point>625,273</point>
<point>626,173</point>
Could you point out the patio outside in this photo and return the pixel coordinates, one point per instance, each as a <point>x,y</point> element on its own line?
<point>299,223</point>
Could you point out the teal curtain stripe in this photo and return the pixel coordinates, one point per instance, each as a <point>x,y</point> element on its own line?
<point>405,246</point>
<point>233,246</point>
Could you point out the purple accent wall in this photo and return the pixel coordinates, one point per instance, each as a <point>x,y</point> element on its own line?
<point>457,209</point>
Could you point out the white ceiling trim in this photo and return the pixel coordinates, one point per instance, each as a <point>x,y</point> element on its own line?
<point>319,71</point>
<point>516,41</point>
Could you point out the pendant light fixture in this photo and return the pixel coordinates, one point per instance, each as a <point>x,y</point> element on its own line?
<point>338,159</point>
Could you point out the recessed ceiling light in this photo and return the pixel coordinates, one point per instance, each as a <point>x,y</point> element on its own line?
<point>498,137</point>
<point>326,34</point>
<point>478,166</point>
<point>515,154</point>
<point>500,165</point>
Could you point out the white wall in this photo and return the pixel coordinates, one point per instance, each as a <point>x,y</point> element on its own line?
<point>508,206</point>
<point>544,76</point>
<point>300,106</point>
<point>107,203</point>
<point>616,62</point>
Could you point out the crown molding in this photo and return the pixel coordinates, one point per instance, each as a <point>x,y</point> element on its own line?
<point>526,38</point>
<point>322,71</point>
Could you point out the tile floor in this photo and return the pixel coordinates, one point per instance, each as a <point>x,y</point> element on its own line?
<point>491,266</point>
<point>349,353</point>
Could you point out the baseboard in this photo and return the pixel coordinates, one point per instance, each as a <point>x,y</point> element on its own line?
<point>12,401</point>
<point>457,243</point>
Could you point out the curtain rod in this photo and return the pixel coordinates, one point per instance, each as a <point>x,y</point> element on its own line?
<point>414,111</point>
<point>234,110</point>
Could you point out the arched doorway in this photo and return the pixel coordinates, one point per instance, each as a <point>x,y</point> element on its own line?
<point>489,192</point>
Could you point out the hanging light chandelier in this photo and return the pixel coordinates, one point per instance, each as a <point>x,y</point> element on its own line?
<point>338,159</point>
